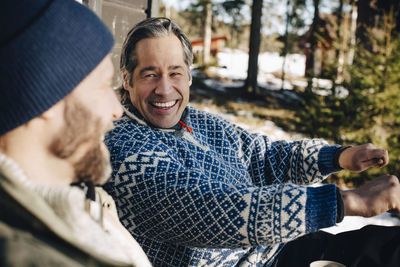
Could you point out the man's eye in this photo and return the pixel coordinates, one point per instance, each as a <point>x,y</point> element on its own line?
<point>150,75</point>
<point>174,74</point>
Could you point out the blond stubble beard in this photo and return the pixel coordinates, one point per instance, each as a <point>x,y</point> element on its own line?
<point>81,128</point>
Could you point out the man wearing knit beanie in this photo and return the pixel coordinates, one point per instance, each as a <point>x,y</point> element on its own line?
<point>56,104</point>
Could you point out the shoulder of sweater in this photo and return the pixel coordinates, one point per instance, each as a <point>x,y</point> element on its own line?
<point>221,124</point>
<point>124,127</point>
<point>198,114</point>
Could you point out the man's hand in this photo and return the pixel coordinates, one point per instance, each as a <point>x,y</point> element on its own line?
<point>360,158</point>
<point>373,198</point>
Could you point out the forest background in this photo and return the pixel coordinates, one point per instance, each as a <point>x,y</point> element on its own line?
<point>354,44</point>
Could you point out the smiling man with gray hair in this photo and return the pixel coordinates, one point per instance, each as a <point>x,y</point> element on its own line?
<point>197,190</point>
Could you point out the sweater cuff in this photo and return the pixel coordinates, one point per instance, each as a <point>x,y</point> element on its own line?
<point>321,207</point>
<point>326,160</point>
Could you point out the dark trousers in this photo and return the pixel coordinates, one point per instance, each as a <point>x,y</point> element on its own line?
<point>371,246</point>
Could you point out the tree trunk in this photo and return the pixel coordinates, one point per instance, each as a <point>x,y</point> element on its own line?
<point>254,48</point>
<point>353,34</point>
<point>397,26</point>
<point>389,24</point>
<point>365,21</point>
<point>207,32</point>
<point>340,47</point>
<point>285,42</point>
<point>313,42</point>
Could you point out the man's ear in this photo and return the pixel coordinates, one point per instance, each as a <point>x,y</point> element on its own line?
<point>125,82</point>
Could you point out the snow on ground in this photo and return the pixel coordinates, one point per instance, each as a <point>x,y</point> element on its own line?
<point>231,63</point>
<point>234,66</point>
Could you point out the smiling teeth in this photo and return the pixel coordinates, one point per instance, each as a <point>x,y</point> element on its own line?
<point>164,105</point>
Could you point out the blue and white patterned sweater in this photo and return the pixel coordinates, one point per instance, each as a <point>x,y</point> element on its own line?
<point>219,195</point>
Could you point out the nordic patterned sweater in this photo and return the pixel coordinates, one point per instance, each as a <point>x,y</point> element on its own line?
<point>218,195</point>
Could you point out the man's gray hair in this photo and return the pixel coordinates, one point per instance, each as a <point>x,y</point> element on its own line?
<point>149,28</point>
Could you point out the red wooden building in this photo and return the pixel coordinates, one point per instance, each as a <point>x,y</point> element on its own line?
<point>217,43</point>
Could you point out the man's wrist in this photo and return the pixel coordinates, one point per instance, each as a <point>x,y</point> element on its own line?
<point>351,203</point>
<point>336,157</point>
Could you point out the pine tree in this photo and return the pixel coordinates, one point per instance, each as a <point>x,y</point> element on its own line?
<point>371,111</point>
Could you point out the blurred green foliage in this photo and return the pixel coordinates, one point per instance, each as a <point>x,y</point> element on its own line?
<point>370,113</point>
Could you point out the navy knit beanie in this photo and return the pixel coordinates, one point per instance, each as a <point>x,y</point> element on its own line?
<point>47,47</point>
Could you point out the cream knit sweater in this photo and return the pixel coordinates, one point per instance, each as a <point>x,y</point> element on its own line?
<point>62,209</point>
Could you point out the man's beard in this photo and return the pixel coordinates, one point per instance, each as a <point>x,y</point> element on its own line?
<point>82,129</point>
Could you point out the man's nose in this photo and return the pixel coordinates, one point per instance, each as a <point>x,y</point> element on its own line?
<point>164,86</point>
